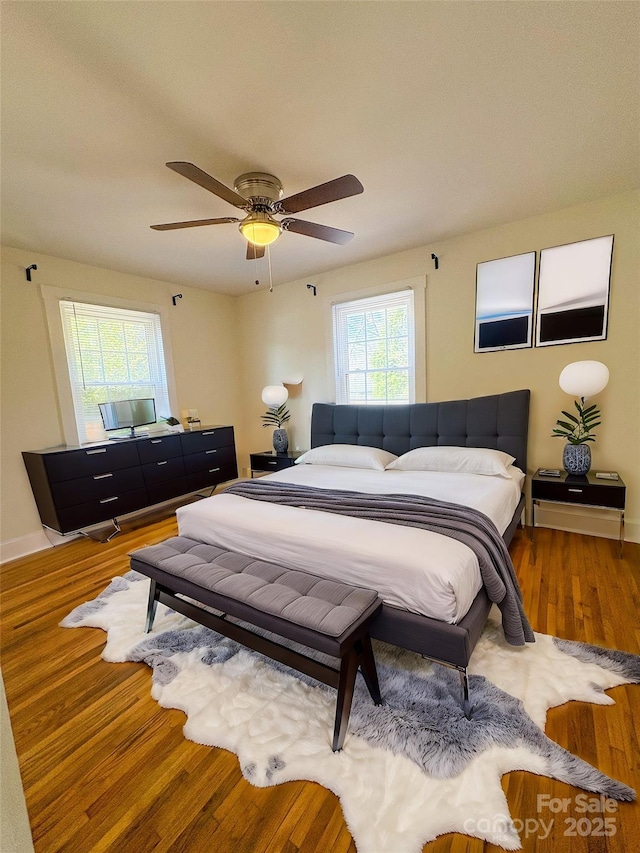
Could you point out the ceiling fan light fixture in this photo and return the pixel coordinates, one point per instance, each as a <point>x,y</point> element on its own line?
<point>260,229</point>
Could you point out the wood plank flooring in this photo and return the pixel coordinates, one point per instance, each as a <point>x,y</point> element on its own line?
<point>106,769</point>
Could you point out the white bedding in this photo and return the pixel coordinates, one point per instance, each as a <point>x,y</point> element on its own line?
<point>413,569</point>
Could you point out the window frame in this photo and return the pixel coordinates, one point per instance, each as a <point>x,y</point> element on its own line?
<point>418,285</point>
<point>52,296</point>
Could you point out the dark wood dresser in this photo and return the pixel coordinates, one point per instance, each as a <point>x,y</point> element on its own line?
<point>75,487</point>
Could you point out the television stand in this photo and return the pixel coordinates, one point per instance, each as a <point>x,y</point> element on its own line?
<point>132,434</point>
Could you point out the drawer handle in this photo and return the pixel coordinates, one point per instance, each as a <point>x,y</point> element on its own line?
<point>273,463</point>
<point>93,452</point>
<point>579,491</point>
<point>210,432</point>
<point>102,476</point>
<point>156,441</point>
<point>213,470</point>
<point>211,451</point>
<point>108,500</point>
<point>162,463</point>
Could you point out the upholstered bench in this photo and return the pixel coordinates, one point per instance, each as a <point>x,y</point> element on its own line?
<point>330,617</point>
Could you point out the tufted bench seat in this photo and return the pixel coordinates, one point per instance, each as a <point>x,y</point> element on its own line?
<point>325,615</point>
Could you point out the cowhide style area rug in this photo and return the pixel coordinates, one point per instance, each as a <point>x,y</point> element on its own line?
<point>411,769</point>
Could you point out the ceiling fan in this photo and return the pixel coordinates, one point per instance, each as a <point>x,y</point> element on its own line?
<point>260,195</point>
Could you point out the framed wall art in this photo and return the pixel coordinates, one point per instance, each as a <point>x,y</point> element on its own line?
<point>504,303</point>
<point>573,292</point>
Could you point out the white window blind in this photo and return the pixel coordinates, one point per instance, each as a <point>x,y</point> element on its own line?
<point>113,354</point>
<point>374,351</point>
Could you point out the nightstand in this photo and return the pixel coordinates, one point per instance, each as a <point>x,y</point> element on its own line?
<point>268,461</point>
<point>589,490</point>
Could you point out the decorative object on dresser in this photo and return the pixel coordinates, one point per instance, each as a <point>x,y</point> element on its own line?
<point>77,487</point>
<point>268,461</point>
<point>582,379</point>
<point>276,396</point>
<point>592,490</point>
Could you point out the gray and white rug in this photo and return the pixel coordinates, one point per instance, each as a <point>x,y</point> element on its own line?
<point>411,769</point>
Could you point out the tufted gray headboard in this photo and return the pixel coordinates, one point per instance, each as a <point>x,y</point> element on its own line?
<point>500,421</point>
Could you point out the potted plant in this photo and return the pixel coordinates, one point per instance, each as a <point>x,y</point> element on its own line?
<point>576,457</point>
<point>275,417</point>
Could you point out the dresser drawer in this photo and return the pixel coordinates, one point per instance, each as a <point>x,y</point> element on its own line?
<point>211,477</point>
<point>170,489</point>
<point>93,512</point>
<point>165,469</point>
<point>579,493</point>
<point>86,489</point>
<point>156,449</point>
<point>206,459</point>
<point>72,464</point>
<point>205,439</point>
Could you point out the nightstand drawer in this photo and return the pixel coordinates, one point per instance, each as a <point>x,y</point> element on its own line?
<point>267,461</point>
<point>576,492</point>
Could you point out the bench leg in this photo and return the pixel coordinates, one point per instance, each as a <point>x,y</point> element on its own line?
<point>368,666</point>
<point>151,605</point>
<point>466,705</point>
<point>348,670</point>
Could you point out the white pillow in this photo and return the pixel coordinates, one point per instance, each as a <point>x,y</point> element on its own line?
<point>347,456</point>
<point>459,460</point>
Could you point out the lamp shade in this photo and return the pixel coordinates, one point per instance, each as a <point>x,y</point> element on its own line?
<point>584,378</point>
<point>274,395</point>
<point>260,229</point>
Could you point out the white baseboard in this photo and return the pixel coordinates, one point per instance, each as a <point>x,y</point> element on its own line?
<point>22,546</point>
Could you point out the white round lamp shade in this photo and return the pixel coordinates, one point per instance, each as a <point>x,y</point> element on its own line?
<point>584,378</point>
<point>274,395</point>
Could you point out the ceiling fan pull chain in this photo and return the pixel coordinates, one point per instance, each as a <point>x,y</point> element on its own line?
<point>269,260</point>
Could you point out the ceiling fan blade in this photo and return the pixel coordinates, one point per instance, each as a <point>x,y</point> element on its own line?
<point>193,173</point>
<point>343,187</point>
<point>254,252</point>
<point>170,226</point>
<point>320,232</point>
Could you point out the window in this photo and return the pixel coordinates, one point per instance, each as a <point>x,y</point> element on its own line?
<point>373,342</point>
<point>112,354</point>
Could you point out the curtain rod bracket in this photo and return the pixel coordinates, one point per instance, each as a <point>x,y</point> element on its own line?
<point>312,287</point>
<point>28,271</point>
<point>174,298</point>
<point>434,258</point>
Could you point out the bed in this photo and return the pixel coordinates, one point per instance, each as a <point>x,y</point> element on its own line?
<point>340,548</point>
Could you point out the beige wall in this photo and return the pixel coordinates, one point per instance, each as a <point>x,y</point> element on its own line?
<point>205,357</point>
<point>226,349</point>
<point>287,331</point>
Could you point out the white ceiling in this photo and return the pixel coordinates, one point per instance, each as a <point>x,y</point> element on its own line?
<point>455,116</point>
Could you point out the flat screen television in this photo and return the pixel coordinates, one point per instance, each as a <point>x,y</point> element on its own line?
<point>127,414</point>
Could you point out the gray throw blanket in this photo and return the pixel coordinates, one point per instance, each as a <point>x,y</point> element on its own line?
<point>467,525</point>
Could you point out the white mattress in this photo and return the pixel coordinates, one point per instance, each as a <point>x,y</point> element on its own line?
<point>413,569</point>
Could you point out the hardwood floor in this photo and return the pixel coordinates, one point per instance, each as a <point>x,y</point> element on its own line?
<point>106,769</point>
